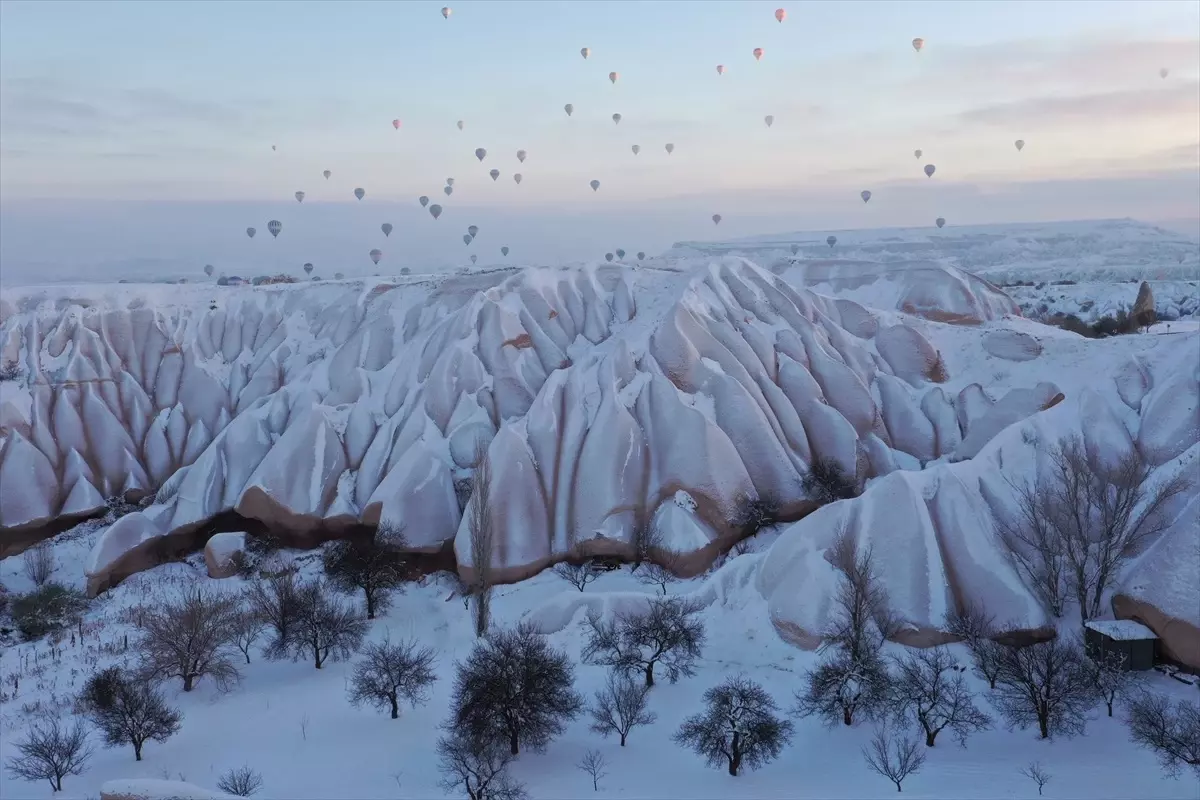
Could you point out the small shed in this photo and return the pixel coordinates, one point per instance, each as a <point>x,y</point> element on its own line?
<point>1123,637</point>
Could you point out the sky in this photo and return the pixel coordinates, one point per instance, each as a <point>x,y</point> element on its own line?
<point>141,132</point>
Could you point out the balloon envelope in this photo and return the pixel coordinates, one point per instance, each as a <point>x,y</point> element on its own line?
<point>449,181</point>
<point>795,249</point>
<point>620,253</point>
<point>376,255</point>
<point>466,238</point>
<point>940,221</point>
<point>250,232</point>
<point>449,190</point>
<point>612,77</point>
<point>435,210</point>
<point>521,156</point>
<point>716,218</point>
<point>641,255</point>
<point>758,53</point>
<point>308,268</point>
<point>616,119</point>
<point>299,197</point>
<point>670,148</point>
<point>386,228</point>
<point>720,69</point>
<point>480,153</point>
<point>446,12</point>
<point>637,148</point>
<point>595,185</point>
<point>831,240</point>
<point>1020,143</point>
<point>474,258</point>
<point>326,173</point>
<point>570,109</point>
<point>274,227</point>
<point>918,43</point>
<point>929,170</point>
<point>1162,73</point>
<point>517,178</point>
<point>503,251</point>
<point>208,269</point>
<point>495,174</point>
<point>460,124</point>
<point>585,51</point>
<point>608,256</point>
<point>423,200</point>
<point>916,154</point>
<point>472,229</point>
<point>396,124</point>
<point>360,193</point>
<point>780,15</point>
<point>865,195</point>
<point>769,119</point>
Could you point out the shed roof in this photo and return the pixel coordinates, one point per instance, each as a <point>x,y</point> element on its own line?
<point>1121,629</point>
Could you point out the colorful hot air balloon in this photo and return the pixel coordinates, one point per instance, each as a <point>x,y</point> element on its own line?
<point>504,251</point>
<point>780,15</point>
<point>1162,73</point>
<point>620,253</point>
<point>595,185</point>
<point>474,258</point>
<point>386,228</point>
<point>396,124</point>
<point>585,51</point>
<point>637,148</point>
<point>612,77</point>
<point>472,229</point>
<point>274,227</point>
<point>569,108</point>
<point>918,43</point>
<point>460,124</point>
<point>448,189</point>
<point>521,156</point>
<point>517,178</point>
<point>831,240</point>
<point>670,148</point>
<point>326,173</point>
<point>435,210</point>
<point>299,197</point>
<point>795,249</point>
<point>423,200</point>
<point>376,255</point>
<point>208,270</point>
<point>1020,143</point>
<point>929,170</point>
<point>250,232</point>
<point>769,119</point>
<point>716,218</point>
<point>641,255</point>
<point>480,153</point>
<point>360,193</point>
<point>940,221</point>
<point>917,154</point>
<point>608,256</point>
<point>758,53</point>
<point>495,174</point>
<point>447,11</point>
<point>308,268</point>
<point>616,119</point>
<point>865,194</point>
<point>466,238</point>
<point>720,69</point>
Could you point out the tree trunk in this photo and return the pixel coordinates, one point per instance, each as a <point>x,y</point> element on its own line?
<point>1043,725</point>
<point>929,737</point>
<point>623,739</point>
<point>187,683</point>
<point>56,784</point>
<point>395,706</point>
<point>137,750</point>
<point>847,716</point>
<point>370,603</point>
<point>513,743</point>
<point>650,674</point>
<point>317,656</point>
<point>898,789</point>
<point>735,758</point>
<point>1110,705</point>
<point>247,654</point>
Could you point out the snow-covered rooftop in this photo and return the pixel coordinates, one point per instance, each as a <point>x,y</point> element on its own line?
<point>1122,630</point>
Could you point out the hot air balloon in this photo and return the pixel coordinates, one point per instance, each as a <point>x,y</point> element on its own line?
<point>521,156</point>
<point>758,53</point>
<point>585,51</point>
<point>474,258</point>
<point>831,240</point>
<point>641,255</point>
<point>376,255</point>
<point>208,270</point>
<point>435,210</point>
<point>308,268</point>
<point>795,249</point>
<point>865,195</point>
<point>1162,73</point>
<point>299,197</point>
<point>608,256</point>
<point>449,181</point>
<point>917,154</point>
<point>720,69</point>
<point>620,253</point>
<point>326,173</point>
<point>480,153</point>
<point>616,119</point>
<point>940,221</point>
<point>929,170</point>
<point>472,229</point>
<point>495,174</point>
<point>769,119</point>
<point>612,77</point>
<point>396,124</point>
<point>423,200</point>
<point>272,147</point>
<point>716,218</point>
<point>780,15</point>
<point>449,190</point>
<point>1020,143</point>
<point>670,148</point>
<point>466,238</point>
<point>447,11</point>
<point>595,185</point>
<point>360,193</point>
<point>274,227</point>
<point>504,251</point>
<point>637,148</point>
<point>918,43</point>
<point>250,232</point>
<point>517,178</point>
<point>386,228</point>
<point>570,109</point>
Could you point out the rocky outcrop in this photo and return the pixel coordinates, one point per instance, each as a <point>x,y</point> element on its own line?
<point>221,554</point>
<point>1143,313</point>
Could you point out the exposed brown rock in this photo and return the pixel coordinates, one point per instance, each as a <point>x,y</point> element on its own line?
<point>1179,640</point>
<point>1143,313</point>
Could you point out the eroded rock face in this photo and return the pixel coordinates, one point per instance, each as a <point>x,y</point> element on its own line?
<point>221,554</point>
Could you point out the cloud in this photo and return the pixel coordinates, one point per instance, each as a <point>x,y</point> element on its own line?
<point>1179,98</point>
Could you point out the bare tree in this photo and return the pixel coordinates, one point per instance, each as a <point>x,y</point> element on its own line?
<point>752,514</point>
<point>929,687</point>
<point>389,673</point>
<point>38,562</point>
<point>1080,522</point>
<point>738,728</point>
<point>127,711</point>
<point>1037,773</point>
<point>241,782</point>
<point>826,482</point>
<point>374,566</point>
<point>593,763</point>
<point>659,573</point>
<point>477,768</point>
<point>51,752</point>
<point>841,688</point>
<point>246,627</point>
<point>325,627</point>
<point>1046,684</point>
<point>479,524</point>
<point>515,688</point>
<point>190,637</point>
<point>621,706</point>
<point>667,633</point>
<point>578,575</point>
<point>1171,732</point>
<point>978,630</point>
<point>894,756</point>
<point>1111,679</point>
<point>276,600</point>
